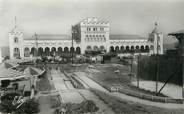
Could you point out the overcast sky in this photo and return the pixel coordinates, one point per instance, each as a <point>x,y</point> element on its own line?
<point>57,16</point>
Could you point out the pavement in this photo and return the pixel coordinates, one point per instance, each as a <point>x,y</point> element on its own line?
<point>45,107</point>
<point>69,94</point>
<point>92,84</point>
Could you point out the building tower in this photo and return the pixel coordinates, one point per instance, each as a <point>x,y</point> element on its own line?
<point>92,34</point>
<point>16,42</point>
<point>156,41</point>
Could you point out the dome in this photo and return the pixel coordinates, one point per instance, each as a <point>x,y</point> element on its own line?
<point>156,30</point>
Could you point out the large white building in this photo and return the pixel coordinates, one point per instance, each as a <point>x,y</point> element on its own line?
<point>90,34</point>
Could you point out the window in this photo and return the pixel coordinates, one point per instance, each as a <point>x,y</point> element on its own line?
<point>86,35</point>
<point>101,29</point>
<point>15,40</point>
<point>94,29</point>
<point>88,29</point>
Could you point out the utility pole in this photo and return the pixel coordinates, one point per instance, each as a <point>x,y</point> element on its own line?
<point>72,43</point>
<point>36,45</point>
<point>157,71</point>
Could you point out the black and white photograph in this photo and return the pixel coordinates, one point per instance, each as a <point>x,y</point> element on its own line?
<point>91,57</point>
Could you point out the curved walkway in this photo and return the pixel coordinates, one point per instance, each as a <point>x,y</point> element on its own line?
<point>97,86</point>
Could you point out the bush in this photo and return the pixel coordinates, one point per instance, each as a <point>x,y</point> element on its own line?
<point>87,106</point>
<point>5,83</point>
<point>29,107</point>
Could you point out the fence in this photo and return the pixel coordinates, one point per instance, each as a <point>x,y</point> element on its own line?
<point>168,66</point>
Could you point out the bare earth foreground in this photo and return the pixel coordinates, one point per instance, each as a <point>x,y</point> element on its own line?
<point>108,102</point>
<point>121,103</point>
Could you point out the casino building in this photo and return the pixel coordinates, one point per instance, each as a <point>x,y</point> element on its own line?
<point>90,34</point>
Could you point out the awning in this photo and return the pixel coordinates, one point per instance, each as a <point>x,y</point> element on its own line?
<point>10,74</point>
<point>32,71</point>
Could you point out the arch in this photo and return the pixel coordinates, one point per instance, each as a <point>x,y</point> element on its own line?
<point>33,51</point>
<point>78,50</point>
<point>26,52</point>
<point>132,49</point>
<point>16,52</point>
<point>88,48</point>
<point>147,48</point>
<point>40,51</point>
<point>53,50</point>
<point>142,48</point>
<point>60,50</point>
<point>66,50</point>
<point>122,49</point>
<point>112,49</point>
<point>127,48</point>
<point>95,48</point>
<point>137,49</point>
<point>72,49</point>
<point>47,51</point>
<point>117,49</point>
<point>102,48</point>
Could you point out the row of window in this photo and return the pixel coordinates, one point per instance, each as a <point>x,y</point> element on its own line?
<point>95,35</point>
<point>95,39</point>
<point>94,29</point>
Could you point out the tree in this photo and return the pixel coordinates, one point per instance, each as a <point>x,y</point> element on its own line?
<point>5,83</point>
<point>28,107</point>
<point>6,102</point>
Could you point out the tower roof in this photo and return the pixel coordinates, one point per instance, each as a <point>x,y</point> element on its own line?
<point>156,30</point>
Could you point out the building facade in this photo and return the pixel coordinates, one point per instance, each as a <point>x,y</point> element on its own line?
<point>90,34</point>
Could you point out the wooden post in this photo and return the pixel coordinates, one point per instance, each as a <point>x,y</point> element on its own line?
<point>138,69</point>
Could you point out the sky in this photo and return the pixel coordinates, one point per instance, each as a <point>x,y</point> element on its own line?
<point>57,16</point>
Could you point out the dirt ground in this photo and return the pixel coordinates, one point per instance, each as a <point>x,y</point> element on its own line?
<point>129,107</point>
<point>105,75</point>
